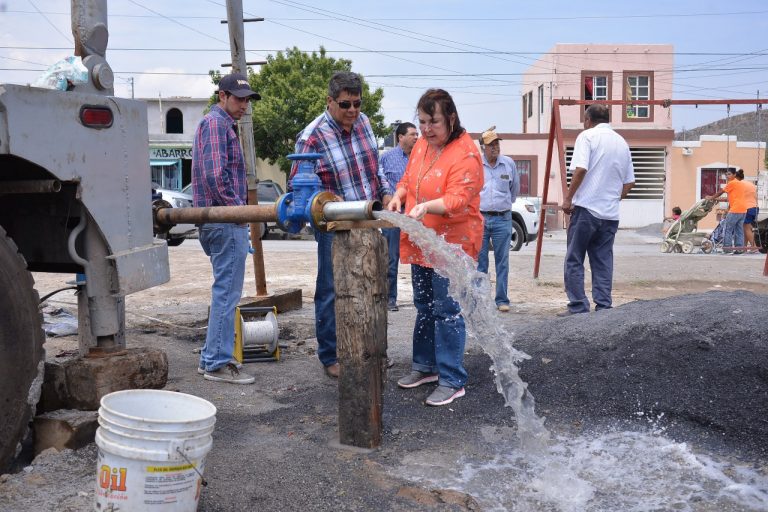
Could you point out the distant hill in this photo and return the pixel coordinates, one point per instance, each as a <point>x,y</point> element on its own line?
<point>743,126</point>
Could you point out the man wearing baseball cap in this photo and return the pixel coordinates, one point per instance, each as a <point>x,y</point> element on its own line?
<point>499,191</point>
<point>218,179</point>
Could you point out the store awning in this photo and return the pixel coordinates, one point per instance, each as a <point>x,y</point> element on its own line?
<point>161,163</point>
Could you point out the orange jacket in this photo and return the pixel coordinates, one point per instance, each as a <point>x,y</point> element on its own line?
<point>457,177</point>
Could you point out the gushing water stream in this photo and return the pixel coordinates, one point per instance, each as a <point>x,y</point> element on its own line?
<point>601,471</point>
<point>472,290</point>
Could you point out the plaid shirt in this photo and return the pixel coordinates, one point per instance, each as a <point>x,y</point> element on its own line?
<point>218,167</point>
<point>392,165</point>
<point>349,165</point>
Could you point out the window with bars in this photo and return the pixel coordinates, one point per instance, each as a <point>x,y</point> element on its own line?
<point>638,87</point>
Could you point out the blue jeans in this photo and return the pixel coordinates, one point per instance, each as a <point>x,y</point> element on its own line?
<point>393,244</point>
<point>325,300</point>
<point>588,235</point>
<point>497,228</point>
<point>734,230</point>
<point>439,334</point>
<point>227,247</point>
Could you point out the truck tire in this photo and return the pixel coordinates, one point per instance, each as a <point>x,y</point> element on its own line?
<point>21,347</point>
<point>518,235</point>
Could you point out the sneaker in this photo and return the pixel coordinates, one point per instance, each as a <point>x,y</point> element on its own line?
<point>504,308</point>
<point>416,379</point>
<point>443,395</point>
<point>392,305</point>
<point>234,362</point>
<point>228,373</point>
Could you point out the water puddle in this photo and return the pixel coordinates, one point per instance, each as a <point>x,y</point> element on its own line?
<point>627,471</point>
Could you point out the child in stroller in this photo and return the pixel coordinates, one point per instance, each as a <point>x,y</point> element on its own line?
<point>715,239</point>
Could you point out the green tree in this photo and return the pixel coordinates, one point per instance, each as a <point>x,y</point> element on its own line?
<point>293,87</point>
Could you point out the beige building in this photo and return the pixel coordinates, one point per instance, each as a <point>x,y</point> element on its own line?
<point>172,123</point>
<point>633,72</point>
<point>697,169</point>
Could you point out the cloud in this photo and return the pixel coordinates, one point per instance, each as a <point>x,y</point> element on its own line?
<point>151,85</point>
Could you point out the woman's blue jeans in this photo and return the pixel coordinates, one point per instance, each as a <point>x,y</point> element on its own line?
<point>439,334</point>
<point>734,230</point>
<point>227,247</point>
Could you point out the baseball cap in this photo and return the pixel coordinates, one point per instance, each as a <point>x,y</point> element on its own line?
<point>489,135</point>
<point>237,85</point>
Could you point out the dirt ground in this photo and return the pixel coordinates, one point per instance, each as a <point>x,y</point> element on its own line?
<point>273,440</point>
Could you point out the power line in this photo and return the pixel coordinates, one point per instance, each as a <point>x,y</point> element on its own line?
<point>761,53</point>
<point>49,22</point>
<point>463,20</point>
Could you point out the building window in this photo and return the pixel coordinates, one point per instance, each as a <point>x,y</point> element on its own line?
<point>174,121</point>
<point>638,86</point>
<point>541,99</point>
<point>529,97</point>
<point>712,180</point>
<point>524,172</point>
<point>595,86</point>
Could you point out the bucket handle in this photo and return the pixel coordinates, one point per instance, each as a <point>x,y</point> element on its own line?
<point>178,447</point>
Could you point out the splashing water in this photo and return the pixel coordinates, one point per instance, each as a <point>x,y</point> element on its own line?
<point>471,289</point>
<point>594,472</point>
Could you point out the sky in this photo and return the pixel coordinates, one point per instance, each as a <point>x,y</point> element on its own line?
<point>166,47</point>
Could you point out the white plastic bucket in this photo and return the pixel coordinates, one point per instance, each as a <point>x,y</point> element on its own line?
<point>152,448</point>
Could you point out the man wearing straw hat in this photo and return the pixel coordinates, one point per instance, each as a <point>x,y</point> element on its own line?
<point>500,190</point>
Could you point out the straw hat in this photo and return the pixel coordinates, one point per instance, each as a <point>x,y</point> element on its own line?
<point>490,135</point>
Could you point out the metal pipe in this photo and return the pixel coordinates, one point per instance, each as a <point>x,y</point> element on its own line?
<point>30,187</point>
<point>350,210</point>
<point>214,214</point>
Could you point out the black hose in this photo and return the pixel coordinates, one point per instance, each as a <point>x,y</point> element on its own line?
<point>42,299</point>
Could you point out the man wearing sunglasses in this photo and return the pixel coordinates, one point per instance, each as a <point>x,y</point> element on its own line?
<point>349,169</point>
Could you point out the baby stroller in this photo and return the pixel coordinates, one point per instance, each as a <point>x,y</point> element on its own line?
<point>715,240</point>
<point>682,235</point>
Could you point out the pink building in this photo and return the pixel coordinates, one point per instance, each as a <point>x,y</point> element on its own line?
<point>634,72</point>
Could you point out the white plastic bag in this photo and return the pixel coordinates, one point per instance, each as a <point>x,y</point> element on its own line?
<point>61,75</point>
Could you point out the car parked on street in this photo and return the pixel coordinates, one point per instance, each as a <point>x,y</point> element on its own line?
<point>177,199</point>
<point>525,223</point>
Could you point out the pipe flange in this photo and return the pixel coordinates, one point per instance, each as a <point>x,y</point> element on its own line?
<point>318,201</point>
<point>157,227</point>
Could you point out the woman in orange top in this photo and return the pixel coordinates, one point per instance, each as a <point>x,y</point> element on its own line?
<point>750,191</point>
<point>441,187</point>
<point>737,210</point>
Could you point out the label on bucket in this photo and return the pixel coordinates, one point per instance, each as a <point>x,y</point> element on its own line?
<point>135,485</point>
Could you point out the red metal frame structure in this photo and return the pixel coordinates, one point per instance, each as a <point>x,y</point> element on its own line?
<point>556,132</point>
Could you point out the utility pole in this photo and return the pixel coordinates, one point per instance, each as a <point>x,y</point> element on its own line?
<point>245,131</point>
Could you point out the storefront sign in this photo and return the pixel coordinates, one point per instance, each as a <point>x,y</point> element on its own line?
<point>185,153</point>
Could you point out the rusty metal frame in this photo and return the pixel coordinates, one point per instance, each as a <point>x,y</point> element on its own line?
<point>556,133</point>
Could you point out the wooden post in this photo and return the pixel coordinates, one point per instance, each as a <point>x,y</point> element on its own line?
<point>360,280</point>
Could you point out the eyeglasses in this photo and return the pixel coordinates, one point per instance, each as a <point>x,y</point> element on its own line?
<point>346,104</point>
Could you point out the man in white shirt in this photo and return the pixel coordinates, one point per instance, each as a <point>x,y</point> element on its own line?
<point>602,175</point>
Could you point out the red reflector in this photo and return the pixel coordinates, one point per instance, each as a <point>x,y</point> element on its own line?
<point>96,117</point>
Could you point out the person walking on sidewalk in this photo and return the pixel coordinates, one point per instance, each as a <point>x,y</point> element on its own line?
<point>500,188</point>
<point>218,179</point>
<point>441,187</point>
<point>392,166</point>
<point>602,175</point>
<point>349,168</point>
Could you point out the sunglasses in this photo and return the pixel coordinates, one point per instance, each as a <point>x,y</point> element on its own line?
<point>346,104</point>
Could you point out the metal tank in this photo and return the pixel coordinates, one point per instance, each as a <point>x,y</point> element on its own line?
<point>75,198</point>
